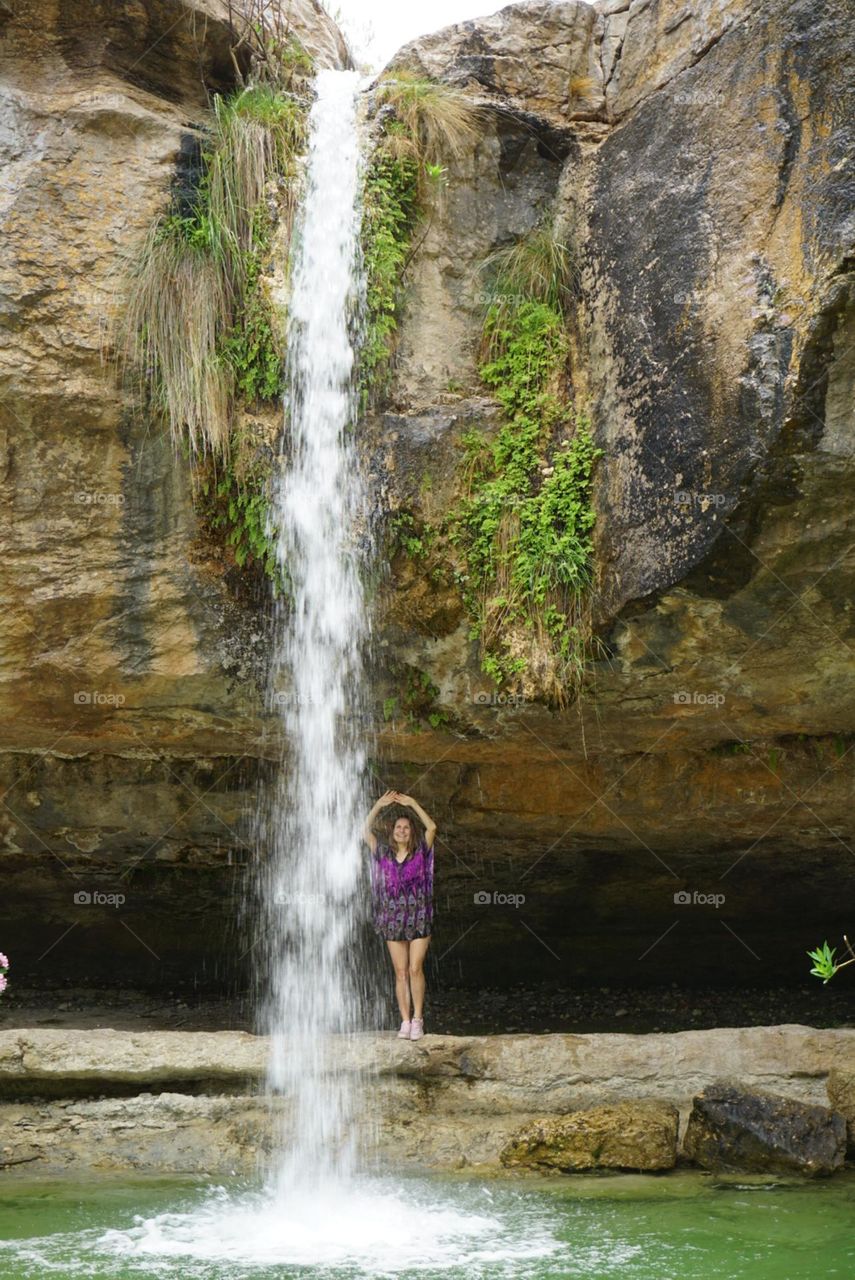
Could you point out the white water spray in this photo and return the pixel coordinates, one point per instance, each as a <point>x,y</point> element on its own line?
<point>312,900</point>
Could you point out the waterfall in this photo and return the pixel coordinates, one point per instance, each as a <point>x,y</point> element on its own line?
<point>311,885</point>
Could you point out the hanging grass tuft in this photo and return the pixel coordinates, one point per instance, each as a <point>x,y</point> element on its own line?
<point>200,337</point>
<point>255,137</point>
<point>199,329</point>
<point>178,308</point>
<point>438,123</point>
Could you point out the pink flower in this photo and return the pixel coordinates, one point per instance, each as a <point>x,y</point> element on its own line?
<point>3,984</point>
<point>4,963</point>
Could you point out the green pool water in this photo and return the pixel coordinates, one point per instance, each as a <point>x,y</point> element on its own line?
<point>680,1227</point>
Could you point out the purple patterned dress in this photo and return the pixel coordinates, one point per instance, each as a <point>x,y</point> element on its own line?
<point>402,893</point>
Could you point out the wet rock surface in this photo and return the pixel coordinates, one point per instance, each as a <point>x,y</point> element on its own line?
<point>732,1130</point>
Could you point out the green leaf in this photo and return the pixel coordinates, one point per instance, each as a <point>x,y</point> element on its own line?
<point>824,965</point>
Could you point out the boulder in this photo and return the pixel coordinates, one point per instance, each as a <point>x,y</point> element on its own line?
<point>541,56</point>
<point>763,1133</point>
<point>626,1135</point>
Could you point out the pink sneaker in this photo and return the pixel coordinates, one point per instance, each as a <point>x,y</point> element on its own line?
<point>417,1028</point>
<point>406,1031</point>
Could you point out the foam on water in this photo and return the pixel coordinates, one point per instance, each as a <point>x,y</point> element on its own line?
<point>372,1230</point>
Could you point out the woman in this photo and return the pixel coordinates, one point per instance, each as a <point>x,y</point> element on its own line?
<point>402,889</point>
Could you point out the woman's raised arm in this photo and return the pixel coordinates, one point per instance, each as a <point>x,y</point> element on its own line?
<point>368,835</point>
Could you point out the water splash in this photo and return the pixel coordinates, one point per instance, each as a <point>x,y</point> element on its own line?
<point>311,899</point>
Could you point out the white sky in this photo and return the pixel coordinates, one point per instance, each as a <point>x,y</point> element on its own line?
<point>377,28</point>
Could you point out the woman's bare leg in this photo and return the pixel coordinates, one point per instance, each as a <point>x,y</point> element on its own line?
<point>418,951</point>
<point>400,953</point>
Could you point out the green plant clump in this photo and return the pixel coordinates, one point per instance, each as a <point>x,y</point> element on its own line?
<point>519,540</point>
<point>825,965</point>
<point>390,214</point>
<point>254,346</point>
<point>234,502</point>
<point>524,527</point>
<point>418,703</point>
<point>200,335</point>
<point>409,536</point>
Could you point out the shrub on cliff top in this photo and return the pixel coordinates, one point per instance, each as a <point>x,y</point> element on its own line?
<point>264,47</point>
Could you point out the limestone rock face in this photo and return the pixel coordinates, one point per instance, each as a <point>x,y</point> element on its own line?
<point>708,207</point>
<point>641,1136</point>
<point>647,45</point>
<point>147,1133</point>
<point>715,291</point>
<point>732,1130</point>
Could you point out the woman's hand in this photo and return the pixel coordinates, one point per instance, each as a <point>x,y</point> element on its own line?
<point>399,798</point>
<point>387,798</point>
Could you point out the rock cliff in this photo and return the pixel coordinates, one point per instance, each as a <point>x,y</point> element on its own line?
<point>693,808</point>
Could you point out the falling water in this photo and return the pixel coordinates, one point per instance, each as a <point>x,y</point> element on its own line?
<point>312,898</point>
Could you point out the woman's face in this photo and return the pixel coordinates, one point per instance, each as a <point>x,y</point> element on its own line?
<point>401,831</point>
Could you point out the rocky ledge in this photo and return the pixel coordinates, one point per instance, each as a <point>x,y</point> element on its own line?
<point>191,1102</point>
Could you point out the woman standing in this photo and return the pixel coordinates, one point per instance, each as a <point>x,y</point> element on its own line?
<point>402,889</point>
